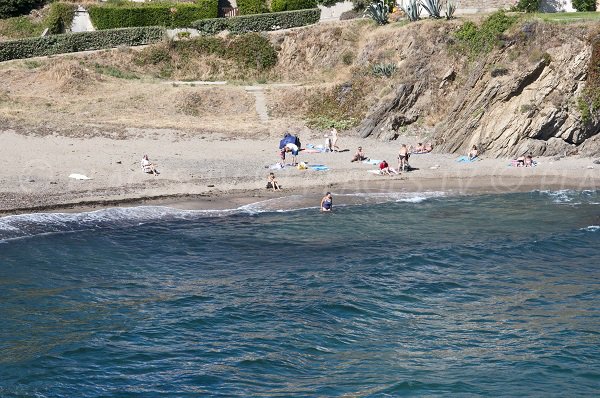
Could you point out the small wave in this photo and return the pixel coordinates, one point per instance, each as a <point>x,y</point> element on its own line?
<point>570,196</point>
<point>383,197</point>
<point>591,228</point>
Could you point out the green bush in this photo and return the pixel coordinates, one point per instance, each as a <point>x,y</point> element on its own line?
<point>527,6</point>
<point>15,8</point>
<point>477,40</point>
<point>291,5</point>
<point>259,22</point>
<point>249,51</point>
<point>584,5</point>
<point>20,27</point>
<point>60,17</point>
<point>252,50</point>
<point>249,7</point>
<point>170,15</point>
<point>278,5</point>
<point>83,41</point>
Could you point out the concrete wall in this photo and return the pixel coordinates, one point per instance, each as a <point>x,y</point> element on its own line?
<point>334,12</point>
<point>475,6</point>
<point>556,6</point>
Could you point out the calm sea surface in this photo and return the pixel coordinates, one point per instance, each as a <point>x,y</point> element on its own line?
<point>390,295</point>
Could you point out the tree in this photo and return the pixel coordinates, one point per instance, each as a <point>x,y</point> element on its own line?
<point>14,8</point>
<point>584,5</point>
<point>528,5</point>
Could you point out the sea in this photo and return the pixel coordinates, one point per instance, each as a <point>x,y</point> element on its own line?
<point>390,295</point>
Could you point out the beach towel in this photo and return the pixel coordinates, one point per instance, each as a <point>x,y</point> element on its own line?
<point>371,161</point>
<point>465,159</point>
<point>79,177</point>
<point>318,167</point>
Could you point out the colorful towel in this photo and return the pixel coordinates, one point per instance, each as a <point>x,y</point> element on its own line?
<point>465,159</point>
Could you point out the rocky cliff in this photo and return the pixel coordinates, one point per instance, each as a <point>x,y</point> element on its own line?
<point>526,94</point>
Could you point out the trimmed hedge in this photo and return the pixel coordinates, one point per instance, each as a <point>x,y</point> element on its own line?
<point>60,17</point>
<point>249,7</point>
<point>259,22</point>
<point>291,5</point>
<point>175,15</point>
<point>82,41</point>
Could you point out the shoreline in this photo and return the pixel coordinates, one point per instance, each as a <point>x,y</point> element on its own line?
<point>234,199</point>
<point>224,172</point>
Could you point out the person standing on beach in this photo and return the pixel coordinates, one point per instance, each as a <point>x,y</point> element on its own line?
<point>334,138</point>
<point>403,157</point>
<point>327,202</point>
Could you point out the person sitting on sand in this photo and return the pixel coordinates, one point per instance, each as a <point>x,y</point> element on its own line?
<point>359,156</point>
<point>403,158</point>
<point>272,183</point>
<point>473,153</point>
<point>293,148</point>
<point>428,147</point>
<point>420,148</point>
<point>327,202</point>
<point>521,161</point>
<point>529,160</point>
<point>148,166</point>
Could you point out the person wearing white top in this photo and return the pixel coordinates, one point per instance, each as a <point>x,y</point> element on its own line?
<point>148,166</point>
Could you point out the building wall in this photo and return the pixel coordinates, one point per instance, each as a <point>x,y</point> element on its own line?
<point>475,6</point>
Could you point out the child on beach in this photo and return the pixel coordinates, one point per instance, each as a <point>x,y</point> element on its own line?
<point>272,183</point>
<point>327,202</point>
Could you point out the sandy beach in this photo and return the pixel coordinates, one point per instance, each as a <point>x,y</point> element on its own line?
<point>217,171</point>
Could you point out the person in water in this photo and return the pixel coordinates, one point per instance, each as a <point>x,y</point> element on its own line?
<point>272,182</point>
<point>327,202</point>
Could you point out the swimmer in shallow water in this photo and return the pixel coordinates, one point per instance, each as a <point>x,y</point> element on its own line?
<point>327,202</point>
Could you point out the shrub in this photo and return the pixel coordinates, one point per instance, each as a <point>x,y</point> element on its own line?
<point>527,6</point>
<point>83,41</point>
<point>259,22</point>
<point>20,27</point>
<point>291,5</point>
<point>584,5</point>
<point>153,14</point>
<point>474,40</point>
<point>15,8</point>
<point>60,17</point>
<point>249,7</point>
<point>252,51</point>
<point>589,102</point>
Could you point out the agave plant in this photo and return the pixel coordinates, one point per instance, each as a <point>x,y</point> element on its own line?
<point>449,9</point>
<point>433,8</point>
<point>378,11</point>
<point>384,70</point>
<point>412,9</point>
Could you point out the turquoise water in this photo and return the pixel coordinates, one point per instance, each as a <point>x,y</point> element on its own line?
<point>390,295</point>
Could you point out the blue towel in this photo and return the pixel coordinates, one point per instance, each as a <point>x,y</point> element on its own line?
<point>465,159</point>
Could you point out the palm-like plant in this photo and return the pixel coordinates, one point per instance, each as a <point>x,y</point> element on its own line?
<point>412,9</point>
<point>433,8</point>
<point>378,11</point>
<point>449,9</point>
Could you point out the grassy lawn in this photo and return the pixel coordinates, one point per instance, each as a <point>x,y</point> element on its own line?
<point>568,17</point>
<point>20,27</point>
